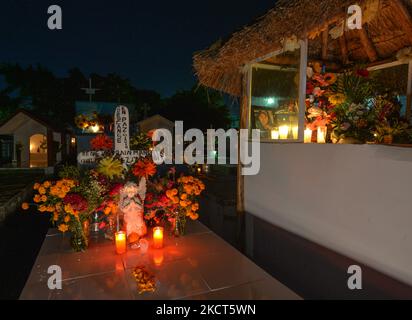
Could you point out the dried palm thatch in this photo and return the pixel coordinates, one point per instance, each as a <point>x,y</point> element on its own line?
<point>387,29</point>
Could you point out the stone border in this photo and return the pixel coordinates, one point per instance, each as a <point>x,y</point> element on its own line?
<point>15,202</point>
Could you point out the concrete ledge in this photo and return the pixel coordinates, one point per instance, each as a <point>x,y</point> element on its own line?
<point>15,202</point>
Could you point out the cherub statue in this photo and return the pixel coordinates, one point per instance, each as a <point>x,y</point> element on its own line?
<point>132,206</point>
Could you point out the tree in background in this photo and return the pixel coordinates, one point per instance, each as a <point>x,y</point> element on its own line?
<point>38,89</point>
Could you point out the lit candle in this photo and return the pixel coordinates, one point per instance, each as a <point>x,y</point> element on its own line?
<point>322,134</point>
<point>295,131</point>
<point>275,134</point>
<point>158,237</point>
<point>283,132</point>
<point>308,136</point>
<point>120,237</point>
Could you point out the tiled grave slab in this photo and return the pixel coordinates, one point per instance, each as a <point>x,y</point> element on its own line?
<point>199,265</point>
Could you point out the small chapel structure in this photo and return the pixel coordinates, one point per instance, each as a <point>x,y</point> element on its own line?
<point>28,141</point>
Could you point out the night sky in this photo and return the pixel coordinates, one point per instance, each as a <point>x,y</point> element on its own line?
<point>149,42</point>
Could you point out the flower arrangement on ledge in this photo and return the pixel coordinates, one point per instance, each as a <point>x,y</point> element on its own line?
<point>78,196</point>
<point>350,109</point>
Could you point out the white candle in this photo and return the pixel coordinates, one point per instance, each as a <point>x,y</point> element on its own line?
<point>295,131</point>
<point>308,136</point>
<point>275,134</point>
<point>322,134</point>
<point>283,132</point>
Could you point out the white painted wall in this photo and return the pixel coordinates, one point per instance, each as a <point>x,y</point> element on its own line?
<point>23,134</point>
<point>353,199</point>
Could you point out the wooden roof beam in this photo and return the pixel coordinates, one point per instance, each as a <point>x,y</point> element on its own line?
<point>403,17</point>
<point>344,49</point>
<point>325,38</point>
<point>368,45</point>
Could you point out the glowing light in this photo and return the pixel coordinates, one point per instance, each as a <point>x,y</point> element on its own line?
<point>284,132</point>
<point>275,134</point>
<point>95,128</point>
<point>271,101</point>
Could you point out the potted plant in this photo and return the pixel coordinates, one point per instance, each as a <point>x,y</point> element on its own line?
<point>385,132</point>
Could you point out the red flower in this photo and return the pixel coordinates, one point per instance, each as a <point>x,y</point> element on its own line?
<point>362,73</point>
<point>101,142</point>
<point>144,168</point>
<point>76,201</point>
<point>116,189</point>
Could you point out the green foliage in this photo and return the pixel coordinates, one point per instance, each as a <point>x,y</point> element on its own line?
<point>356,88</point>
<point>140,141</point>
<point>69,172</point>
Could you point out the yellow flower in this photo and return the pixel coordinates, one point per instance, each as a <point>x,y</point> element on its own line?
<point>37,198</point>
<point>43,198</point>
<point>46,184</point>
<point>63,227</point>
<point>42,190</point>
<point>42,208</point>
<point>110,167</point>
<point>25,206</point>
<point>36,186</point>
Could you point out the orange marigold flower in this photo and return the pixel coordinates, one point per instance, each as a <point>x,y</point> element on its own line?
<point>66,219</point>
<point>63,227</point>
<point>37,198</point>
<point>183,196</point>
<point>36,186</point>
<point>43,198</point>
<point>46,184</point>
<point>25,206</point>
<point>55,216</point>
<point>42,190</point>
<point>42,208</point>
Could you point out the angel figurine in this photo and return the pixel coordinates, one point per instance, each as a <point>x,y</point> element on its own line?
<point>132,206</point>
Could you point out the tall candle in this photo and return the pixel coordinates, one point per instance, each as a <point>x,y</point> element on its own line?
<point>295,131</point>
<point>158,237</point>
<point>283,132</point>
<point>275,134</point>
<point>308,136</point>
<point>322,134</point>
<point>120,238</point>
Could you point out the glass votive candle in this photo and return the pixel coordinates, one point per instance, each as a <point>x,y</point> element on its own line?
<point>275,134</point>
<point>283,132</point>
<point>158,237</point>
<point>322,134</point>
<point>120,238</point>
<point>308,136</point>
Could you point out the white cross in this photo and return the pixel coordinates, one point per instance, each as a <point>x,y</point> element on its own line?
<point>90,90</point>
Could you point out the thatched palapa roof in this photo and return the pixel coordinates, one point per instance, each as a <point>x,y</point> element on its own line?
<point>387,28</point>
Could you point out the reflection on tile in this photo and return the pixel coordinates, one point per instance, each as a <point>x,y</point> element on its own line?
<point>195,227</point>
<point>153,256</point>
<point>201,244</point>
<point>108,286</point>
<point>266,289</point>
<point>39,270</point>
<point>174,280</point>
<point>227,269</point>
<point>75,267</point>
<point>39,291</point>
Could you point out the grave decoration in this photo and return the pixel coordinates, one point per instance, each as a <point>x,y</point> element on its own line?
<point>346,108</point>
<point>118,190</point>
